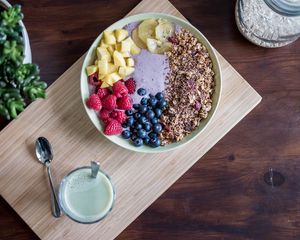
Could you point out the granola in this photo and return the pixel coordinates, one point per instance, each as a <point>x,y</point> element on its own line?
<point>189,87</point>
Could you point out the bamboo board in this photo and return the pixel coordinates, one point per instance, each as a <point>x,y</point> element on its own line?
<point>139,178</point>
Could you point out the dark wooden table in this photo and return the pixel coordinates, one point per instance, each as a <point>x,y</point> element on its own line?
<point>223,196</point>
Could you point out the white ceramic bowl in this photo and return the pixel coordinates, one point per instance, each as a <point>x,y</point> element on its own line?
<point>90,58</point>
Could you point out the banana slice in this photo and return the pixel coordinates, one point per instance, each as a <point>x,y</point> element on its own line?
<point>147,29</point>
<point>164,30</point>
<point>156,46</point>
<point>137,40</point>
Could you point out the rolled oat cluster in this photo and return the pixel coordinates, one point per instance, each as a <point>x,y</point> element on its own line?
<point>189,87</point>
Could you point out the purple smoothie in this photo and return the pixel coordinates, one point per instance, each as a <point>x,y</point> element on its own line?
<point>150,69</point>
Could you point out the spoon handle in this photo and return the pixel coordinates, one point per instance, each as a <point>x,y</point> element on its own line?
<point>56,212</point>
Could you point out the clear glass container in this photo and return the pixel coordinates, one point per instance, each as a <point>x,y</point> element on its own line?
<point>269,23</point>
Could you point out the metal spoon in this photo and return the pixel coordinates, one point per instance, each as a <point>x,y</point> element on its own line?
<point>43,151</point>
<point>95,168</point>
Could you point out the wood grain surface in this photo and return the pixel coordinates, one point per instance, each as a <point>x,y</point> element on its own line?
<point>223,196</point>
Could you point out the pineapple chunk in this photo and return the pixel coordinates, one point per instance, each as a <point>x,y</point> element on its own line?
<point>119,59</point>
<point>102,53</point>
<point>101,76</point>
<point>129,62</point>
<point>96,62</point>
<point>112,78</point>
<point>109,37</point>
<point>102,44</point>
<point>111,49</point>
<point>125,71</point>
<point>112,68</point>
<point>118,47</point>
<point>125,54</point>
<point>91,69</point>
<point>104,85</point>
<point>121,34</point>
<point>126,44</point>
<point>135,49</point>
<point>103,66</point>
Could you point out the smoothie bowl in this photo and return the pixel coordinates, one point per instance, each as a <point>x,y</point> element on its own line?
<point>151,82</point>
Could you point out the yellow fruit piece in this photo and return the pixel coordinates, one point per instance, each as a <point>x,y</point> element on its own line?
<point>102,44</point>
<point>129,62</point>
<point>111,49</point>
<point>118,47</point>
<point>126,44</point>
<point>112,78</point>
<point>121,34</point>
<point>125,54</point>
<point>103,66</point>
<point>136,39</point>
<point>152,45</point>
<point>164,47</point>
<point>125,71</point>
<point>119,59</point>
<point>91,69</point>
<point>102,53</point>
<point>101,76</point>
<point>105,85</point>
<point>135,49</point>
<point>147,29</point>
<point>164,30</point>
<point>112,68</point>
<point>109,38</point>
<point>96,62</point>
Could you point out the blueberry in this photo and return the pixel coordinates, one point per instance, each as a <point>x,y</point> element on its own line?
<point>124,125</point>
<point>144,101</point>
<point>152,101</point>
<point>151,96</point>
<point>142,109</point>
<point>137,115</point>
<point>147,127</point>
<point>126,134</point>
<point>129,112</point>
<point>162,104</point>
<point>141,91</point>
<point>157,128</point>
<point>146,140</point>
<point>154,120</point>
<point>159,95</point>
<point>142,120</point>
<point>152,135</point>
<point>158,112</point>
<point>138,126</point>
<point>150,114</point>
<point>138,142</point>
<point>136,106</point>
<point>154,142</point>
<point>133,137</point>
<point>142,133</point>
<point>130,121</point>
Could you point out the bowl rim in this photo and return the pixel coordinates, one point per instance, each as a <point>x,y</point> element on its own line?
<point>218,77</point>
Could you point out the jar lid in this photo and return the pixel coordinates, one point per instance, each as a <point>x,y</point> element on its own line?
<point>289,8</point>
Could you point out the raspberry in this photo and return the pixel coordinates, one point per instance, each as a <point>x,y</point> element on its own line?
<point>114,114</point>
<point>109,102</point>
<point>119,116</point>
<point>130,84</point>
<point>113,127</point>
<point>104,114</point>
<point>124,103</point>
<point>119,89</point>
<point>93,79</point>
<point>102,92</point>
<point>94,102</point>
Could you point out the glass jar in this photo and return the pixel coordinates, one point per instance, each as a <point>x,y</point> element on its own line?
<point>269,23</point>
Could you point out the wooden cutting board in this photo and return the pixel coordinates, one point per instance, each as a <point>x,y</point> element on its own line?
<point>139,178</point>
